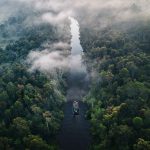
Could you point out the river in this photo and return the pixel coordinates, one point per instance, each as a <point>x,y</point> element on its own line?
<point>74,134</point>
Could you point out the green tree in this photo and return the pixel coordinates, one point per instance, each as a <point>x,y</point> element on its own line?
<point>21,126</point>
<point>5,143</point>
<point>11,89</point>
<point>34,142</point>
<point>137,122</point>
<point>142,145</point>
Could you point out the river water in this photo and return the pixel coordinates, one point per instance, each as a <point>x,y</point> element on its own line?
<point>76,63</point>
<point>74,134</point>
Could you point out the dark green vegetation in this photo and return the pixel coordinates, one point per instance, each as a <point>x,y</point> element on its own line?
<point>119,99</point>
<point>30,103</point>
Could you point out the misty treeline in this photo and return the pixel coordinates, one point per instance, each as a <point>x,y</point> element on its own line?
<point>34,39</point>
<point>30,101</point>
<point>118,61</point>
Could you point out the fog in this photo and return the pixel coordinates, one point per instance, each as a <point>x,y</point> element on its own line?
<point>92,14</point>
<point>55,11</point>
<point>47,62</point>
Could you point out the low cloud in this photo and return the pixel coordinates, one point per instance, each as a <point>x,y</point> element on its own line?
<point>61,46</point>
<point>55,19</point>
<point>54,56</point>
<point>100,13</point>
<point>91,14</point>
<point>76,65</point>
<point>47,62</point>
<point>51,61</point>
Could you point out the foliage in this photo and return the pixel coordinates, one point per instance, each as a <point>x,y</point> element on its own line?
<point>120,91</point>
<point>30,103</point>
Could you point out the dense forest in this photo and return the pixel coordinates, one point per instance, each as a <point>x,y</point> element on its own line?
<point>119,65</point>
<point>30,102</point>
<point>42,75</point>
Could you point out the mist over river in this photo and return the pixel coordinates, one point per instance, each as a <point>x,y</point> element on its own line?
<point>76,62</point>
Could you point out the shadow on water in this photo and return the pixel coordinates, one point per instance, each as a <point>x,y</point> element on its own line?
<point>74,134</point>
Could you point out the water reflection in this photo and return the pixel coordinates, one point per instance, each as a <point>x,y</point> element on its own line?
<point>76,65</point>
